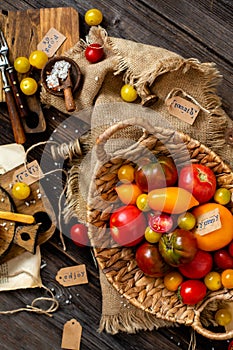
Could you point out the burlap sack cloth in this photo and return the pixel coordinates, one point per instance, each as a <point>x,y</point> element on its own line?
<point>153,71</point>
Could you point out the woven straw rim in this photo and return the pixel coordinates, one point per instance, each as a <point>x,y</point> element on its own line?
<point>118,263</point>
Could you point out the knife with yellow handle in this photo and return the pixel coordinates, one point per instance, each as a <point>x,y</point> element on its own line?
<point>23,218</point>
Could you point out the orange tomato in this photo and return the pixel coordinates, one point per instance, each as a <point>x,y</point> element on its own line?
<point>128,193</point>
<point>173,280</point>
<point>126,173</point>
<point>171,200</point>
<point>227,278</point>
<point>220,237</point>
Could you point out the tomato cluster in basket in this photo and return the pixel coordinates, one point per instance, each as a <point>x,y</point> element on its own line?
<point>179,223</point>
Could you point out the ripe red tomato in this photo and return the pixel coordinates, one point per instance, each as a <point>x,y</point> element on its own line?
<point>192,292</point>
<point>199,267</point>
<point>160,222</point>
<point>127,225</point>
<point>94,53</point>
<point>230,249</point>
<point>178,247</point>
<point>150,261</point>
<point>198,179</point>
<point>156,174</point>
<point>223,259</point>
<point>79,236</point>
<point>230,346</point>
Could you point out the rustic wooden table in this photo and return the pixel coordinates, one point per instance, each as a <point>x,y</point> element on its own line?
<point>192,28</point>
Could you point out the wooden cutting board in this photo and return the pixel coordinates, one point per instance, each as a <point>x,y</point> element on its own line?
<point>25,29</point>
<point>18,238</point>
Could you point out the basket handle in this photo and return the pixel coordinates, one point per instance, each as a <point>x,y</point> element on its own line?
<point>197,325</point>
<point>105,136</point>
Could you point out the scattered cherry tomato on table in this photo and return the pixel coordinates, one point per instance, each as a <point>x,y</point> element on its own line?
<point>128,93</point>
<point>78,234</point>
<point>38,59</point>
<point>28,86</point>
<point>94,53</point>
<point>191,292</point>
<point>200,180</point>
<point>230,346</point>
<point>22,64</point>
<point>21,190</point>
<point>93,17</point>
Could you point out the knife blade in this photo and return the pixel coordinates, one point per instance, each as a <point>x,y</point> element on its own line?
<point>13,79</point>
<point>18,96</point>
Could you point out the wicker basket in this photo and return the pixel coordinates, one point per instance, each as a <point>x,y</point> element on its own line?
<point>118,263</point>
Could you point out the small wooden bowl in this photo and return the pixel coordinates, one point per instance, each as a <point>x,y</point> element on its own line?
<point>75,74</point>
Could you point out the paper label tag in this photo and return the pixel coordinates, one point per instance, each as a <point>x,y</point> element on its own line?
<point>51,42</point>
<point>28,175</point>
<point>71,336</point>
<point>72,275</point>
<point>182,109</point>
<point>208,222</point>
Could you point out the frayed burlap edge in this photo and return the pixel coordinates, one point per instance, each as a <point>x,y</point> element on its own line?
<point>129,318</point>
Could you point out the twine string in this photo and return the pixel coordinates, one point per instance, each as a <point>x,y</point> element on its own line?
<point>33,308</point>
<point>193,340</point>
<point>61,194</point>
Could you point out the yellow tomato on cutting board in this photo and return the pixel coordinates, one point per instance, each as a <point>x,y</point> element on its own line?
<point>219,237</point>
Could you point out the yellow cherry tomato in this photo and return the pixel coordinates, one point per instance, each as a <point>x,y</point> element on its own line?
<point>28,86</point>
<point>186,221</point>
<point>20,190</point>
<point>222,196</point>
<point>128,93</point>
<point>223,317</point>
<point>142,202</point>
<point>93,17</point>
<point>172,280</point>
<point>213,280</point>
<point>38,59</point>
<point>126,173</point>
<point>22,64</point>
<point>152,236</point>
